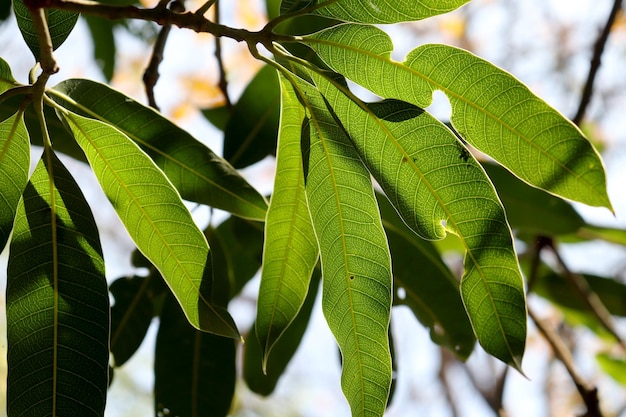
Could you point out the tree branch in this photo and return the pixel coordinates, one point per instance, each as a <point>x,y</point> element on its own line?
<point>223,83</point>
<point>595,62</point>
<point>587,391</point>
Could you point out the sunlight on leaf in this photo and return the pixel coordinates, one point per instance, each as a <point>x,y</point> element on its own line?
<point>155,218</point>
<point>57,301</point>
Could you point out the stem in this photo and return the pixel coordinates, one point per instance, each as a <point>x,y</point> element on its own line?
<point>595,62</point>
<point>46,57</point>
<point>223,83</point>
<point>587,391</point>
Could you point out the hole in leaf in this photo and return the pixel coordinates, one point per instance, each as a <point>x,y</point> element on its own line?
<point>440,106</point>
<point>401,293</point>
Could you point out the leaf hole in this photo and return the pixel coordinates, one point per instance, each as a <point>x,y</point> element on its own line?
<point>351,277</point>
<point>440,106</point>
<point>401,293</point>
<point>438,329</point>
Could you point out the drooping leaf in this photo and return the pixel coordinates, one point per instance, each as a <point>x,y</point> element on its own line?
<point>57,301</point>
<point>290,251</point>
<point>264,383</point>
<point>103,43</point>
<point>131,314</point>
<point>424,283</point>
<point>531,209</point>
<point>356,265</point>
<point>373,11</point>
<point>218,116</point>
<point>194,372</point>
<point>60,25</point>
<point>242,244</point>
<point>155,218</point>
<point>14,166</point>
<point>252,128</point>
<point>437,186</point>
<point>491,109</point>
<point>197,173</point>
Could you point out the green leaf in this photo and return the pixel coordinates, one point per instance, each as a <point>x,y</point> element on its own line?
<point>617,236</point>
<point>531,209</point>
<point>436,186</point>
<point>611,292</point>
<point>251,131</point>
<point>60,25</point>
<point>613,366</point>
<point>197,173</point>
<point>356,265</point>
<point>264,383</point>
<point>57,301</point>
<point>491,109</point>
<point>218,116</point>
<point>290,252</point>
<point>103,44</point>
<point>155,218</point>
<point>14,166</point>
<point>374,11</point>
<point>424,283</point>
<point>6,77</point>
<point>194,372</point>
<point>131,314</point>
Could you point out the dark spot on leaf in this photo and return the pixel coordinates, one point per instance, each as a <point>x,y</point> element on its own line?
<point>351,277</point>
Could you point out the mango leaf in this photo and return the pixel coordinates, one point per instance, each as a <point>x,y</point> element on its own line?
<point>57,301</point>
<point>373,11</point>
<point>251,131</point>
<point>14,167</point>
<point>155,218</point>
<point>197,173</point>
<point>491,109</point>
<point>131,314</point>
<point>290,252</point>
<point>194,372</point>
<point>264,383</point>
<point>531,209</point>
<point>356,265</point>
<point>60,25</point>
<point>218,116</point>
<point>609,234</point>
<point>424,283</point>
<point>436,186</point>
<point>103,43</point>
<point>6,77</point>
<point>611,292</point>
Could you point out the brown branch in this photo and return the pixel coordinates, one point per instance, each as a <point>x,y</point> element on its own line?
<point>596,59</point>
<point>587,391</point>
<point>223,83</point>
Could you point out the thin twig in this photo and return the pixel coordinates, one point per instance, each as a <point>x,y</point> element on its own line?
<point>596,59</point>
<point>587,391</point>
<point>151,75</point>
<point>589,297</point>
<point>46,57</point>
<point>205,7</point>
<point>223,83</point>
<point>446,362</point>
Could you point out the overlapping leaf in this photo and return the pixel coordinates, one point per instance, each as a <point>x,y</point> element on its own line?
<point>60,25</point>
<point>490,108</point>
<point>156,219</point>
<point>290,251</point>
<point>356,265</point>
<point>6,77</point>
<point>437,186</point>
<point>424,283</point>
<point>197,173</point>
<point>57,301</point>
<point>14,166</point>
<point>194,371</point>
<point>373,11</point>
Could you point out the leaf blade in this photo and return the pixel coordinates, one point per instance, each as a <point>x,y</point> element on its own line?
<point>155,218</point>
<point>57,301</point>
<point>194,169</point>
<point>492,110</point>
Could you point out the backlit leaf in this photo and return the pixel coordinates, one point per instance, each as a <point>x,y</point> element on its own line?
<point>491,110</point>
<point>14,166</point>
<point>155,218</point>
<point>356,265</point>
<point>436,186</point>
<point>6,77</point>
<point>373,11</point>
<point>57,301</point>
<point>196,172</point>
<point>290,251</point>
